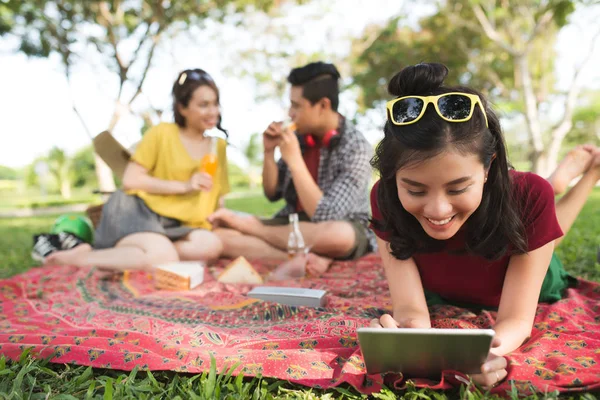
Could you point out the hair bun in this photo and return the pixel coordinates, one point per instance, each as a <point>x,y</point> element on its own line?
<point>418,79</point>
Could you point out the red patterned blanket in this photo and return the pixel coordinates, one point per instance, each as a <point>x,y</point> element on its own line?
<point>88,317</point>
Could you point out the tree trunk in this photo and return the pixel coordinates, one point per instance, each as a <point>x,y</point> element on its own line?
<point>538,162</point>
<point>537,158</point>
<point>65,188</point>
<point>554,148</point>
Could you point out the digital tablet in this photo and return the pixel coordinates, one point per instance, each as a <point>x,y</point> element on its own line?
<point>423,353</point>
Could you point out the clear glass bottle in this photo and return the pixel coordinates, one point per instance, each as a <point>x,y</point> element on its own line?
<point>295,240</point>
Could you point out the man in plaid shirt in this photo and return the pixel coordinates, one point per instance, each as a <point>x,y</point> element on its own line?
<point>323,175</point>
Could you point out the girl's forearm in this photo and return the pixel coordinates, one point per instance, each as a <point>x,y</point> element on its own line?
<point>512,334</point>
<point>153,185</point>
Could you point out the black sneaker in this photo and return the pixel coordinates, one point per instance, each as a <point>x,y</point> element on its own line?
<point>43,245</point>
<point>67,240</point>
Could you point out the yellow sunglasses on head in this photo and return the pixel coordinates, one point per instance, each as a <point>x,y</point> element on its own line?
<point>451,107</point>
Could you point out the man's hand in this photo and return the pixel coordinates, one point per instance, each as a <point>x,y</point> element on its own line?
<point>272,136</point>
<point>247,224</point>
<point>290,148</point>
<point>200,181</point>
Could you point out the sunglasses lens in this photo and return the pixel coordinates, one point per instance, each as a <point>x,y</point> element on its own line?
<point>455,106</point>
<point>193,76</point>
<point>407,110</point>
<point>196,75</point>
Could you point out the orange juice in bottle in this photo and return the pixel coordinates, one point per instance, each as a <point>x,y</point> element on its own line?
<point>208,164</point>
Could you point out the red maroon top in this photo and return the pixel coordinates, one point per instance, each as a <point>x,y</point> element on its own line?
<point>312,158</point>
<point>473,279</point>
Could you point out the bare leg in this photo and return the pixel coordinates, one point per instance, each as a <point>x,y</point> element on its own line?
<point>199,245</point>
<point>136,251</point>
<point>329,239</point>
<point>570,205</point>
<point>575,163</point>
<point>236,244</point>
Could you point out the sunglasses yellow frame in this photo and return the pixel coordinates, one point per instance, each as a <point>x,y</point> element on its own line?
<point>434,100</point>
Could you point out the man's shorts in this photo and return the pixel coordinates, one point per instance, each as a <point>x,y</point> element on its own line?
<point>361,241</point>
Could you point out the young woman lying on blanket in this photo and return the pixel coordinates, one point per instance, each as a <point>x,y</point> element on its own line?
<point>456,224</point>
<point>161,216</point>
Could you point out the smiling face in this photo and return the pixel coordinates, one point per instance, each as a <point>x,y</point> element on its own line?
<point>442,192</point>
<point>202,112</point>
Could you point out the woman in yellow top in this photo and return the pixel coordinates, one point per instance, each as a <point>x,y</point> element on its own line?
<point>168,190</point>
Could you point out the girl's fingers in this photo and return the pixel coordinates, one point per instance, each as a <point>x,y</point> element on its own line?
<point>490,379</point>
<point>375,323</point>
<point>494,364</point>
<point>387,321</point>
<point>496,342</point>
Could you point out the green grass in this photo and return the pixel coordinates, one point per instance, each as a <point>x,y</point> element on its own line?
<point>33,199</point>
<point>255,204</point>
<point>16,243</point>
<point>38,379</point>
<point>30,378</point>
<point>579,248</point>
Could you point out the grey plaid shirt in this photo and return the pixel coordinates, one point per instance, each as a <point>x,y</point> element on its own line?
<point>344,175</point>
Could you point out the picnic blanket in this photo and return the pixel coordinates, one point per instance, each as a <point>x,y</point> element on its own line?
<point>89,317</point>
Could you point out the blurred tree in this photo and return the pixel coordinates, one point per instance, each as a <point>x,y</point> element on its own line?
<point>30,177</point>
<point>59,166</point>
<point>8,12</point>
<point>151,117</point>
<point>82,168</point>
<point>253,149</point>
<point>279,44</point>
<point>253,153</point>
<point>37,174</point>
<point>586,121</point>
<point>238,178</point>
<point>504,48</point>
<point>7,173</point>
<point>123,34</point>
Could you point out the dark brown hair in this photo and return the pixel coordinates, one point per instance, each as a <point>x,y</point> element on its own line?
<point>495,227</point>
<point>183,89</point>
<point>318,80</point>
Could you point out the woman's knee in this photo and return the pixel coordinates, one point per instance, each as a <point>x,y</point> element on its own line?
<point>156,248</point>
<point>200,244</point>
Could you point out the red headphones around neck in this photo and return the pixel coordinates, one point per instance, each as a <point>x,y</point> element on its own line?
<point>311,142</point>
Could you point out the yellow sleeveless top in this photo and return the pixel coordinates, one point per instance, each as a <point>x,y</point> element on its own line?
<point>162,153</point>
